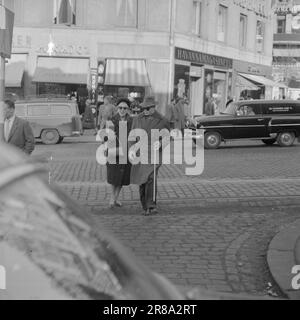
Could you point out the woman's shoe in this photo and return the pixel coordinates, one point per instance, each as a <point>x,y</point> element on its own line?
<point>111,204</point>
<point>118,204</point>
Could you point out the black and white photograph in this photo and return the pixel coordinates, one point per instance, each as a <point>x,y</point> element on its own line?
<point>149,151</point>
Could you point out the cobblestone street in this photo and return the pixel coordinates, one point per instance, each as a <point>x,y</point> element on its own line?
<point>211,230</point>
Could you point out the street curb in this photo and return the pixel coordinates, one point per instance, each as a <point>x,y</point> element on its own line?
<point>283,254</point>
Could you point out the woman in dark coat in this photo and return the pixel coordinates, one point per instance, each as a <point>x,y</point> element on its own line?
<point>118,175</point>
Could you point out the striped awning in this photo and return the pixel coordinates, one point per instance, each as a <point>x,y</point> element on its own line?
<point>14,74</point>
<point>61,70</point>
<point>245,84</point>
<point>260,80</point>
<point>125,72</point>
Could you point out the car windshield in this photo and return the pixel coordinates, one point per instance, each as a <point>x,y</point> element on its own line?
<point>231,109</point>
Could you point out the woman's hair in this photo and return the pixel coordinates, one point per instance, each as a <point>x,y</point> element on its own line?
<point>125,101</point>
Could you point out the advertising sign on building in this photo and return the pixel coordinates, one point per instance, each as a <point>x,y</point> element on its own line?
<point>94,85</point>
<point>6,31</point>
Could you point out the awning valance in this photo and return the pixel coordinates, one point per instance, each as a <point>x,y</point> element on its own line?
<point>260,80</point>
<point>61,70</point>
<point>14,74</point>
<point>126,72</point>
<point>245,84</point>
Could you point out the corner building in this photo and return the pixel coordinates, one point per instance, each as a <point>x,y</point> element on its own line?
<point>197,48</point>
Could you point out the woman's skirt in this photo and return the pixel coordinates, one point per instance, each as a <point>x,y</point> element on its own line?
<point>118,174</point>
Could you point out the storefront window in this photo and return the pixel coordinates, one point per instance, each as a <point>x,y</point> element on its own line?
<point>219,91</point>
<point>181,81</point>
<point>125,92</point>
<point>208,88</point>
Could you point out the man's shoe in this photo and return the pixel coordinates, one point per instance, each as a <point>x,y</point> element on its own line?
<point>153,211</point>
<point>147,212</point>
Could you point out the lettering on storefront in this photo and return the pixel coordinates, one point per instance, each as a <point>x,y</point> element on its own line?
<point>202,58</point>
<point>259,7</point>
<point>21,41</point>
<point>65,50</point>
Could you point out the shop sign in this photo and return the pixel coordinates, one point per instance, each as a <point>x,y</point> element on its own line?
<point>202,58</point>
<point>69,50</point>
<point>257,6</point>
<point>94,85</point>
<point>21,41</point>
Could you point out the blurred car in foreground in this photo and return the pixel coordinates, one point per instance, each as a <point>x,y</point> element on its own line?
<point>48,252</point>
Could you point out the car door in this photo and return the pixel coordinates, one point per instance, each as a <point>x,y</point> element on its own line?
<point>250,122</point>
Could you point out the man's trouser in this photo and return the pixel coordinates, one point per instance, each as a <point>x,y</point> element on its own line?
<point>146,192</point>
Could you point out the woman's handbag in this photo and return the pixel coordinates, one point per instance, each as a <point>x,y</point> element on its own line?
<point>112,152</point>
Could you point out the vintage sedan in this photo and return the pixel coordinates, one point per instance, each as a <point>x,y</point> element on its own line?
<point>267,120</point>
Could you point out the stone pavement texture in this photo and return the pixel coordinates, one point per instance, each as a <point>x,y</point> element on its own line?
<point>213,230</point>
<point>283,256</point>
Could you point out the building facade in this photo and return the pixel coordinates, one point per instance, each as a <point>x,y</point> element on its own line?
<point>197,48</point>
<point>286,48</point>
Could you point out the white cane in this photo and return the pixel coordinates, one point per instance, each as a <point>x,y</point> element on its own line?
<point>156,148</point>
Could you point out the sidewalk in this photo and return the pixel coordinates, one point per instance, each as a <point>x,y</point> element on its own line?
<point>203,193</point>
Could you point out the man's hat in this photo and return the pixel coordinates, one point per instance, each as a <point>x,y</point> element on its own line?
<point>148,102</point>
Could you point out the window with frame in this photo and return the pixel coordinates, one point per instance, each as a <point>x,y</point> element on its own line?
<point>127,13</point>
<point>64,12</point>
<point>281,24</point>
<point>243,31</point>
<point>197,6</point>
<point>222,23</point>
<point>259,36</point>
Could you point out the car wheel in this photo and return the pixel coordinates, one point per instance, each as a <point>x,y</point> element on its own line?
<point>269,142</point>
<point>286,139</point>
<point>212,140</point>
<point>50,136</point>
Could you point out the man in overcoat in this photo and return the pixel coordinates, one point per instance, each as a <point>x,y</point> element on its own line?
<point>143,174</point>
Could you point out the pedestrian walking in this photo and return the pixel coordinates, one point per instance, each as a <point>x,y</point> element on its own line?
<point>118,175</point>
<point>170,113</point>
<point>106,111</point>
<point>17,131</point>
<point>135,109</point>
<point>179,115</point>
<point>89,116</point>
<point>145,175</point>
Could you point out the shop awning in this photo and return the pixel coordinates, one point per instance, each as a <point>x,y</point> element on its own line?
<point>61,70</point>
<point>245,84</point>
<point>260,80</point>
<point>125,72</point>
<point>14,74</point>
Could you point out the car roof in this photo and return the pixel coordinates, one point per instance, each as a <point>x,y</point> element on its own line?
<point>45,100</point>
<point>267,102</point>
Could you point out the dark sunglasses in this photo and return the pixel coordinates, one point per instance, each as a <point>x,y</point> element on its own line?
<point>123,108</point>
<point>148,108</point>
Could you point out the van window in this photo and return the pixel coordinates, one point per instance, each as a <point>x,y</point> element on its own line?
<point>283,108</point>
<point>62,110</point>
<point>38,110</point>
<point>249,109</point>
<point>21,110</point>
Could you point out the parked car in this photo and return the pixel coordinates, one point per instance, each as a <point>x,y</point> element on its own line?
<point>51,119</point>
<point>267,120</point>
<point>48,252</point>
